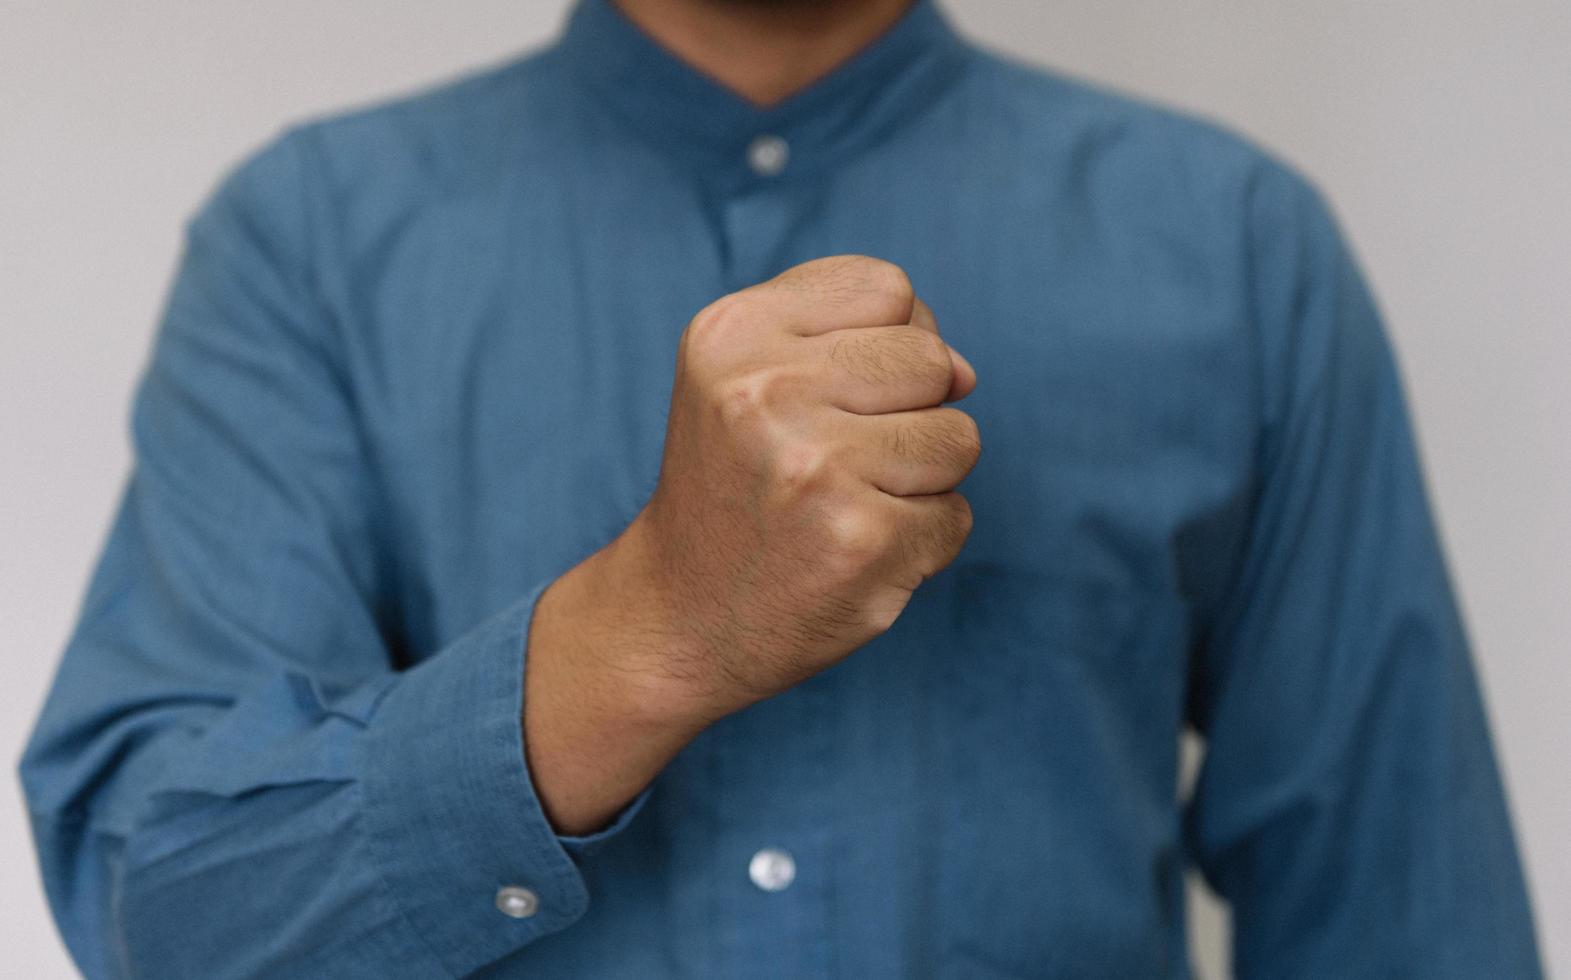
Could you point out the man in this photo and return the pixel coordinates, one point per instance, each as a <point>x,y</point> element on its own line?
<point>446,630</point>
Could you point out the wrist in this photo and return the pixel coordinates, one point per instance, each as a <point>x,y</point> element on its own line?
<point>650,641</point>
<point>598,724</point>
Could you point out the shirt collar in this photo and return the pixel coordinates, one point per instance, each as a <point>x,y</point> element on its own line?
<point>697,119</point>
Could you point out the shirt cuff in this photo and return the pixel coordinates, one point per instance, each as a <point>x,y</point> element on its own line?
<point>451,813</point>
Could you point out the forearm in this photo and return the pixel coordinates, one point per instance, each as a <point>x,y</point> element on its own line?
<point>598,728</point>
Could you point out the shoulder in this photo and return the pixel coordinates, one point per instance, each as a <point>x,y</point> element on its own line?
<point>335,193</point>
<point>399,148</point>
<point>452,132</point>
<point>1131,150</point>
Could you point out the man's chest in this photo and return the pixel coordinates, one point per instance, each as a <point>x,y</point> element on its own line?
<point>1046,664</point>
<point>516,395</point>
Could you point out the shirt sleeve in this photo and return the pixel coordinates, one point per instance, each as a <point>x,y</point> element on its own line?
<point>1348,806</point>
<point>231,776</point>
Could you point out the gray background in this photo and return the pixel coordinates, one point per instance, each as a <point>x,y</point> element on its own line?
<point>1441,130</point>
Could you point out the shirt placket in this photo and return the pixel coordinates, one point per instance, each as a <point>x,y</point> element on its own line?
<point>758,211</point>
<point>773,897</point>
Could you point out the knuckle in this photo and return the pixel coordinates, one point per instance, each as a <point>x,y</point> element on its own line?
<point>745,395</point>
<point>953,519</point>
<point>856,538</point>
<point>929,345</point>
<point>880,278</point>
<point>946,534</point>
<point>859,276</point>
<point>802,275</point>
<point>932,360</point>
<point>741,399</point>
<point>801,467</point>
<point>712,320</point>
<point>967,438</point>
<point>885,277</point>
<point>709,335</point>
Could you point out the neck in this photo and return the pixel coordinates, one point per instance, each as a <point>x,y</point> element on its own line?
<point>764,50</point>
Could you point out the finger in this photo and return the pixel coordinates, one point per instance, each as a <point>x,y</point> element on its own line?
<point>964,377</point>
<point>873,370</point>
<point>913,453</point>
<point>964,380</point>
<point>837,292</point>
<point>933,529</point>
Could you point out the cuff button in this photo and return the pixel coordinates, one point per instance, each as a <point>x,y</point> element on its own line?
<point>517,903</point>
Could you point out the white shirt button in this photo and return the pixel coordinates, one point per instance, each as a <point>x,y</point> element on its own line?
<point>767,155</point>
<point>772,869</point>
<point>516,902</point>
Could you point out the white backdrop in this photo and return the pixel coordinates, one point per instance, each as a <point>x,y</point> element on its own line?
<point>1441,130</point>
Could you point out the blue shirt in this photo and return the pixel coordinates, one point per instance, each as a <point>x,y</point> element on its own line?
<point>416,364</point>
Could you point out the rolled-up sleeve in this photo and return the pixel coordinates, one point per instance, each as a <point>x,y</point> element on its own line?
<point>1349,805</point>
<point>231,776</point>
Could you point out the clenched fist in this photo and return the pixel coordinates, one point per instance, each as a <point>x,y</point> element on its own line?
<point>807,489</point>
<point>807,484</point>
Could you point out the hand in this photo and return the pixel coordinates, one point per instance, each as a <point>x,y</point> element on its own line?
<point>806,491</point>
<point>807,484</point>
